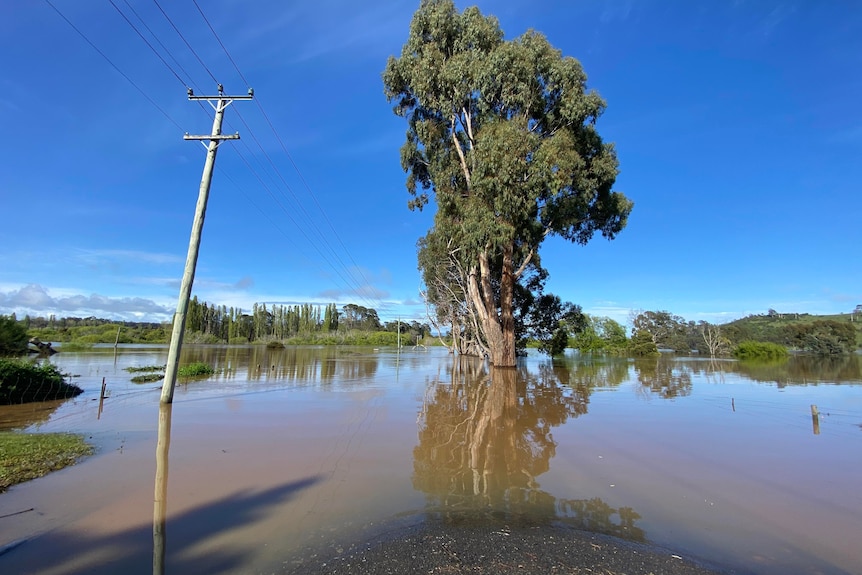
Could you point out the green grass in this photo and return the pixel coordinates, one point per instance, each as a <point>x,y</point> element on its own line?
<point>148,377</point>
<point>145,368</point>
<point>197,369</point>
<point>26,456</point>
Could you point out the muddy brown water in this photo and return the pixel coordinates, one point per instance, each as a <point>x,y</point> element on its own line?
<point>286,456</point>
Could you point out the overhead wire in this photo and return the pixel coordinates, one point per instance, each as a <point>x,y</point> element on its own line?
<point>159,42</point>
<point>150,46</point>
<point>358,288</point>
<point>289,157</point>
<point>175,123</point>
<point>113,65</point>
<point>189,46</point>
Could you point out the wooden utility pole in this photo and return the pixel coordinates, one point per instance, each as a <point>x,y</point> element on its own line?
<point>219,103</point>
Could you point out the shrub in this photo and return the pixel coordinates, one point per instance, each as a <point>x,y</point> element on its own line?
<point>197,369</point>
<point>13,337</point>
<point>23,381</point>
<point>759,350</point>
<point>642,345</point>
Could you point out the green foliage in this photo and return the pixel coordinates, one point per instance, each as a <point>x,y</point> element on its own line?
<point>26,456</point>
<point>546,320</point>
<point>503,134</point>
<point>23,381</point>
<point>823,337</point>
<point>196,369</point>
<point>761,350</point>
<point>13,337</point>
<point>666,330</point>
<point>790,329</point>
<point>642,345</point>
<point>600,335</point>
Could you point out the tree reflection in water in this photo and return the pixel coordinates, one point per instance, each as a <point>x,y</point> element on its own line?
<point>664,376</point>
<point>484,438</point>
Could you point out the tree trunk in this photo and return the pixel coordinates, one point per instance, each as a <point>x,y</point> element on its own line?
<point>498,326</point>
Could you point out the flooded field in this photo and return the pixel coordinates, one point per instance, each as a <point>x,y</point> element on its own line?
<point>287,456</point>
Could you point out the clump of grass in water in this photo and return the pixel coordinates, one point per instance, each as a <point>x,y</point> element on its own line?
<point>147,378</point>
<point>136,369</point>
<point>26,456</point>
<point>196,369</point>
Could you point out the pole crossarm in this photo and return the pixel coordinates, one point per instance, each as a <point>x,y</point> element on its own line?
<point>221,97</point>
<point>212,137</point>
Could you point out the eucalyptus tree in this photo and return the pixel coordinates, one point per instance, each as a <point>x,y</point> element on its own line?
<point>502,133</point>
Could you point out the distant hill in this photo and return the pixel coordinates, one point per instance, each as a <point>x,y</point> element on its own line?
<point>790,328</point>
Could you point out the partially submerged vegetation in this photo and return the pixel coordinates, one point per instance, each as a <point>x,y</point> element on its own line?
<point>761,350</point>
<point>144,368</point>
<point>148,378</point>
<point>196,369</point>
<point>23,381</point>
<point>26,456</point>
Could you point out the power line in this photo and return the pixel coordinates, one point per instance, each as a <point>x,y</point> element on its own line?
<point>159,56</point>
<point>204,16</point>
<point>177,30</point>
<point>114,66</point>
<point>289,157</point>
<point>156,38</point>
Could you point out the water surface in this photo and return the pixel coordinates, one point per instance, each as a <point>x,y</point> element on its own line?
<point>288,453</point>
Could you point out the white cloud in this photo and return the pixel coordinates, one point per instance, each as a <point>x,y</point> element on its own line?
<point>35,299</point>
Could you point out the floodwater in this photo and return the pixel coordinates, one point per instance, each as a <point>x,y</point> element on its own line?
<point>289,456</point>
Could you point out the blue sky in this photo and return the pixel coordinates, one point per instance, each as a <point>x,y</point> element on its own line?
<point>738,127</point>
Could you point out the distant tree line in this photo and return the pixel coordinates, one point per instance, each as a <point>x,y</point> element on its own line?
<point>211,323</point>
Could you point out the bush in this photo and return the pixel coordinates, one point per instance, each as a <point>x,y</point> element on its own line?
<point>642,345</point>
<point>24,381</point>
<point>13,337</point>
<point>197,369</point>
<point>759,350</point>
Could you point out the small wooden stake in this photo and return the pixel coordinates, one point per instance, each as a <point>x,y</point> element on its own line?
<point>815,419</point>
<point>101,399</point>
<point>733,405</point>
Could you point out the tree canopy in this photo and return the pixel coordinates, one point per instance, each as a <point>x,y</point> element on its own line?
<point>13,337</point>
<point>502,133</point>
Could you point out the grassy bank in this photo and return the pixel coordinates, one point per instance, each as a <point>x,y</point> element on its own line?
<point>26,456</point>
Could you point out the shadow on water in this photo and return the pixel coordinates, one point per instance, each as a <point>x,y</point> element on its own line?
<point>127,551</point>
<point>484,438</point>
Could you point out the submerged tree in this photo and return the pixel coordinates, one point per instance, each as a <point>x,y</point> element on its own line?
<point>503,134</point>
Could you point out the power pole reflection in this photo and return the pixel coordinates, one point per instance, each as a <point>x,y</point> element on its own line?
<point>160,497</point>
